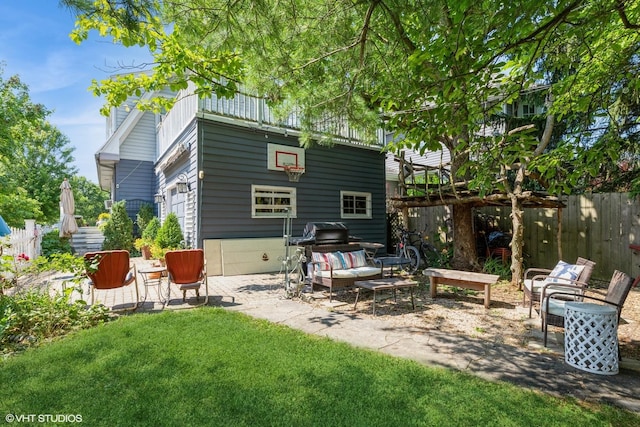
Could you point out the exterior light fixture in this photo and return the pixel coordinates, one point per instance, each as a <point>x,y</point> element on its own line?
<point>158,198</point>
<point>183,186</point>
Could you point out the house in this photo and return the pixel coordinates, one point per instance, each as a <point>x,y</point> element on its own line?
<point>221,166</point>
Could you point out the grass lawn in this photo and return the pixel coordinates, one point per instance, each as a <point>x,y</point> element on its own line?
<point>212,367</point>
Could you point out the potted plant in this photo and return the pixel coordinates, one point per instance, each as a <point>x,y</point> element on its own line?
<point>144,243</point>
<point>157,252</point>
<point>144,246</point>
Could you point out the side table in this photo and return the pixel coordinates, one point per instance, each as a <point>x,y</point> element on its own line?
<point>591,337</point>
<point>384,284</point>
<point>152,276</point>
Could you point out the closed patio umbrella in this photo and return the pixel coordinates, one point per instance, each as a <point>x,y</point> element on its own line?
<point>68,224</point>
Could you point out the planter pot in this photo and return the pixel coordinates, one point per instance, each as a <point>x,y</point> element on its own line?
<point>146,252</point>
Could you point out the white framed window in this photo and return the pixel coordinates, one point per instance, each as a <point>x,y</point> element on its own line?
<point>355,204</point>
<point>272,202</point>
<point>528,110</point>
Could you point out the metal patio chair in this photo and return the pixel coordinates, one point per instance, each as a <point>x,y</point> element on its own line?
<point>108,270</point>
<point>187,269</point>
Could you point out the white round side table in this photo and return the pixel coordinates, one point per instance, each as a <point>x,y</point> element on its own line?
<point>591,337</point>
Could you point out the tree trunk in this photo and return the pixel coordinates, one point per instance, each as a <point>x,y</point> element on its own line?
<point>465,256</point>
<point>517,241</point>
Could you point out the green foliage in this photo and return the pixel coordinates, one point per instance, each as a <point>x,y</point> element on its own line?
<point>144,215</point>
<point>496,266</point>
<point>118,230</point>
<point>89,199</point>
<point>17,205</point>
<point>34,157</point>
<point>151,230</point>
<point>170,234</point>
<point>52,243</point>
<point>20,118</point>
<point>29,319</point>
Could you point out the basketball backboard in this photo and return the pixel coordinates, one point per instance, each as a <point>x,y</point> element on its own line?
<point>281,156</point>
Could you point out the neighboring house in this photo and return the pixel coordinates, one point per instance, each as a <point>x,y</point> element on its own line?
<point>219,165</point>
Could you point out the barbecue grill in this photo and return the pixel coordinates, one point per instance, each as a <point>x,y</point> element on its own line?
<point>324,233</point>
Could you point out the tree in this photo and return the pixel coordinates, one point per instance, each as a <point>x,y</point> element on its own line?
<point>432,71</point>
<point>143,217</point>
<point>170,235</point>
<point>34,157</point>
<point>19,116</point>
<point>47,155</point>
<point>118,231</point>
<point>89,198</point>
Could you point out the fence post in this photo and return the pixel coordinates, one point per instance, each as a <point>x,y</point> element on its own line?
<point>30,228</point>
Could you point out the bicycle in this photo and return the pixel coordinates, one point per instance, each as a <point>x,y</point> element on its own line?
<point>407,252</point>
<point>417,251</point>
<point>429,254</point>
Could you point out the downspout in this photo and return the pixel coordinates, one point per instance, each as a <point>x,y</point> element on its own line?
<point>199,182</point>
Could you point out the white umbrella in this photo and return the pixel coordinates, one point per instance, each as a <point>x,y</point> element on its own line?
<point>68,224</point>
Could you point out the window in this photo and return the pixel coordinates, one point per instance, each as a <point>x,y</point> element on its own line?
<point>355,205</point>
<point>272,202</point>
<point>528,110</point>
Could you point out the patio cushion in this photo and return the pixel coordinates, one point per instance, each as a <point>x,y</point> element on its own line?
<point>556,307</point>
<point>350,273</point>
<point>328,259</point>
<point>355,259</point>
<point>563,270</point>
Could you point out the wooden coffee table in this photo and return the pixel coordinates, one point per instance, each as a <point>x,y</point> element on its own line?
<point>390,283</point>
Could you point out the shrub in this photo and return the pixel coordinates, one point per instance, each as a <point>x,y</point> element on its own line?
<point>118,231</point>
<point>52,243</point>
<point>151,230</point>
<point>144,216</point>
<point>27,319</point>
<point>496,266</point>
<point>170,234</point>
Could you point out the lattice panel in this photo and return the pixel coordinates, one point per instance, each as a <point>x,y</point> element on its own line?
<point>591,341</point>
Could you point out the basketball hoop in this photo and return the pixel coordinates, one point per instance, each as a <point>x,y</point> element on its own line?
<point>293,173</point>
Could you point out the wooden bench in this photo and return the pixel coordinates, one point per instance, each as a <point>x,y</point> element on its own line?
<point>462,279</point>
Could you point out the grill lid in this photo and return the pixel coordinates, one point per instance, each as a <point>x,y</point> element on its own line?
<point>324,233</point>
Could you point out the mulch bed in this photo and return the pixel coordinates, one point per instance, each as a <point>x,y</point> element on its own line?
<point>461,311</point>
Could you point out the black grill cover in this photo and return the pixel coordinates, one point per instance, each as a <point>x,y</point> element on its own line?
<point>323,233</point>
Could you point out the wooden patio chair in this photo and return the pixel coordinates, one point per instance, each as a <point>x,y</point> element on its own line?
<point>110,270</point>
<point>553,302</point>
<point>187,269</point>
<point>536,278</point>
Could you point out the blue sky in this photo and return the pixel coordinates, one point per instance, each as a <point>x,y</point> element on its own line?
<point>35,44</point>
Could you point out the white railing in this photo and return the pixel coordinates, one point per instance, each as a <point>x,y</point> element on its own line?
<point>24,243</point>
<point>244,108</point>
<point>174,122</point>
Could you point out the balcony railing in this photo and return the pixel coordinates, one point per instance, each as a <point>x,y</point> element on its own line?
<point>247,109</point>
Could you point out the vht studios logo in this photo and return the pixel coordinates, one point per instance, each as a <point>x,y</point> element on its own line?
<point>43,418</point>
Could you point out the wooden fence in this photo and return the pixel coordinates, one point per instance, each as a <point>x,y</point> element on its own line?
<point>25,241</point>
<point>599,227</point>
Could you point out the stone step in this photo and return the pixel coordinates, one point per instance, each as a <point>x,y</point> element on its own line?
<point>87,239</point>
